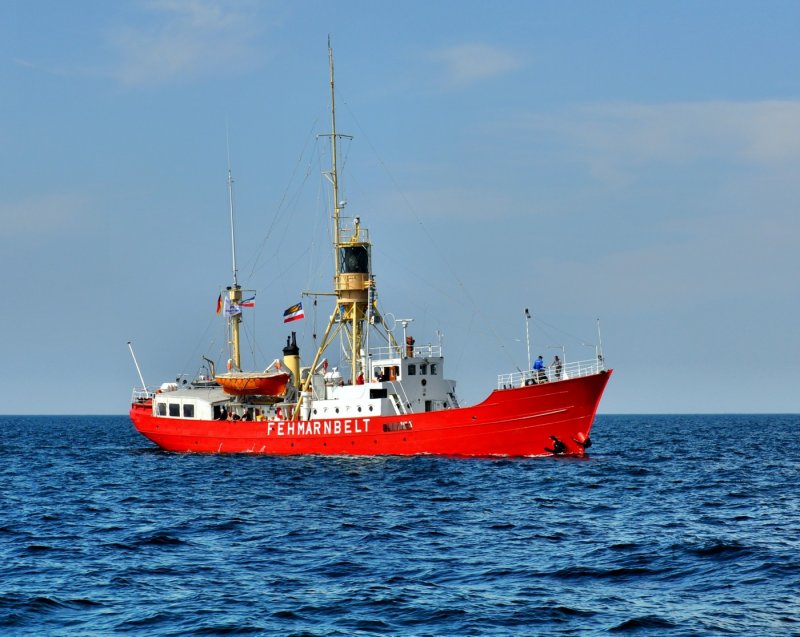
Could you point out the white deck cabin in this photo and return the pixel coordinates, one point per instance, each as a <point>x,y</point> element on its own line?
<point>395,385</point>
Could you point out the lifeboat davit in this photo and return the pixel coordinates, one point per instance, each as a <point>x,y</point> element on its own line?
<point>254,383</point>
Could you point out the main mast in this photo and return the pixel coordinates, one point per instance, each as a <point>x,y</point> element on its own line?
<point>334,172</point>
<point>352,278</point>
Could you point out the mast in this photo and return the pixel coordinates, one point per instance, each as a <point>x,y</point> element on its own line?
<point>352,271</point>
<point>234,292</point>
<point>334,173</point>
<point>352,281</point>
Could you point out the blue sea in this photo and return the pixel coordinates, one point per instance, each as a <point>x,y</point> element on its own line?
<point>675,525</point>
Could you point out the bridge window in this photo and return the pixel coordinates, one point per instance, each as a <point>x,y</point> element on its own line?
<point>188,411</point>
<point>174,410</point>
<point>433,369</point>
<point>412,369</point>
<point>162,409</point>
<point>423,369</point>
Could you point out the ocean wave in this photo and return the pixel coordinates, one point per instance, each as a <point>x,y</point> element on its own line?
<point>647,539</point>
<point>645,622</point>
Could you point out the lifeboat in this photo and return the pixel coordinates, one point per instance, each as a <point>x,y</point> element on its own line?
<point>254,383</point>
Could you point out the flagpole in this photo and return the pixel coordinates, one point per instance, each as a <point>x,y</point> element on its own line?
<point>528,336</point>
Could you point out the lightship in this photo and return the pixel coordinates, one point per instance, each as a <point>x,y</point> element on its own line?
<point>388,400</point>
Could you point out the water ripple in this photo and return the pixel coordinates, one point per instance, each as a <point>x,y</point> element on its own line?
<point>100,534</point>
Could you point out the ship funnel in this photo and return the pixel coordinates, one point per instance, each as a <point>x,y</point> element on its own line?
<point>291,357</point>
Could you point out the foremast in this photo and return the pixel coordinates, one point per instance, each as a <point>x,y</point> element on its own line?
<point>234,292</point>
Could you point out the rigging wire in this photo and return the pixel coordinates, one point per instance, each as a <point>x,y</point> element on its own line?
<point>197,348</point>
<point>476,310</point>
<point>283,207</point>
<point>544,326</point>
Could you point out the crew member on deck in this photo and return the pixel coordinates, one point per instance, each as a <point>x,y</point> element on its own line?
<point>557,365</point>
<point>538,368</point>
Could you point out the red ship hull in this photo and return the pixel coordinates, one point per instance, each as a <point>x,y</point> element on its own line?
<point>511,422</point>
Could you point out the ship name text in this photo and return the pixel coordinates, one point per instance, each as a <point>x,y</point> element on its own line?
<point>318,427</point>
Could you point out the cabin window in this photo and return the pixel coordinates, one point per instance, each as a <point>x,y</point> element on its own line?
<point>412,369</point>
<point>188,411</point>
<point>433,369</point>
<point>162,409</point>
<point>174,410</point>
<point>423,369</point>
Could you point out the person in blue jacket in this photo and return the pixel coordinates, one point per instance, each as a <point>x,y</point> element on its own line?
<point>538,368</point>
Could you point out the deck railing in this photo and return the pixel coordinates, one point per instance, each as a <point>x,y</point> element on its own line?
<point>551,374</point>
<point>140,394</point>
<point>379,353</point>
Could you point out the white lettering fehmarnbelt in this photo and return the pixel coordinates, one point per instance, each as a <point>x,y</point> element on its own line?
<point>318,427</point>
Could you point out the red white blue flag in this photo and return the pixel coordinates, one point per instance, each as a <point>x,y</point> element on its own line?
<point>294,313</point>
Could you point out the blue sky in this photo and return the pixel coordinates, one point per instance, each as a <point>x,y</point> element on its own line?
<point>629,161</point>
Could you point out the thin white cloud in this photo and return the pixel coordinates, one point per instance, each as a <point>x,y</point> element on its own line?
<point>185,38</point>
<point>617,139</point>
<point>42,215</point>
<point>467,64</point>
